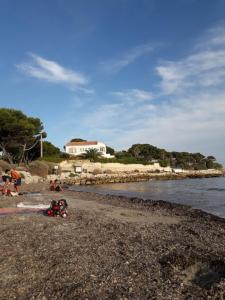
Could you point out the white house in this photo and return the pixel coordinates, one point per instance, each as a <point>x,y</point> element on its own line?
<point>79,148</point>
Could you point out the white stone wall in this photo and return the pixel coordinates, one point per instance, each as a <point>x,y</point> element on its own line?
<point>89,167</point>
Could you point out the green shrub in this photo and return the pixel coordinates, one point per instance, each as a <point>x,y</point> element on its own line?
<point>124,160</point>
<point>73,175</point>
<point>217,166</point>
<point>163,163</point>
<point>200,166</point>
<point>55,159</point>
<point>22,175</point>
<point>209,164</point>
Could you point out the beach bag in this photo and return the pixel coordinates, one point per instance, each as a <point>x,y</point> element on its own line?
<point>58,208</point>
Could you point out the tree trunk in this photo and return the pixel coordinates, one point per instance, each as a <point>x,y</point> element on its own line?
<point>6,154</point>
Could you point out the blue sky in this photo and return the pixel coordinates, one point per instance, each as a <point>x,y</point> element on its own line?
<point>119,71</point>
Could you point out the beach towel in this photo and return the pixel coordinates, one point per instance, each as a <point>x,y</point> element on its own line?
<point>17,210</point>
<point>34,206</point>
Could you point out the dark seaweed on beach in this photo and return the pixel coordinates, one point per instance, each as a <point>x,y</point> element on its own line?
<point>92,256</point>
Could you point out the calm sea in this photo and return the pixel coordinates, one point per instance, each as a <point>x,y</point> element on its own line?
<point>207,194</point>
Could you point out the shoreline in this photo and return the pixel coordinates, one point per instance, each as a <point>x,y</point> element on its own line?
<point>111,247</point>
<point>88,179</point>
<point>134,202</point>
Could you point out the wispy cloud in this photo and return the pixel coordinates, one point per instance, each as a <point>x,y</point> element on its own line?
<point>133,95</point>
<point>204,68</point>
<point>48,70</point>
<point>117,64</point>
<point>189,112</point>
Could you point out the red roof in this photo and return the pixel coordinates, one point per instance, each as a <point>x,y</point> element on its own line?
<point>81,143</point>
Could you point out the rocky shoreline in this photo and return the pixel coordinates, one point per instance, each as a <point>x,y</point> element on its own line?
<point>111,247</point>
<point>89,179</point>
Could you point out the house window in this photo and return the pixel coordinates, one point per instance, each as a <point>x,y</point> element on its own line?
<point>102,149</point>
<point>70,150</point>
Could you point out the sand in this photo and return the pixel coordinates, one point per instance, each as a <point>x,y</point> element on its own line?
<point>110,247</point>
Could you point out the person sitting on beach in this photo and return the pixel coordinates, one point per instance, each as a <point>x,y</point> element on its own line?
<point>56,186</point>
<point>52,185</point>
<point>16,179</point>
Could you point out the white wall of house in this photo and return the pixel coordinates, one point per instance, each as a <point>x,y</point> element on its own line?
<point>81,149</point>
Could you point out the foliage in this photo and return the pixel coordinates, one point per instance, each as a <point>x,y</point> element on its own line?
<point>92,154</point>
<point>72,175</point>
<point>49,150</point>
<point>209,164</point>
<point>163,163</point>
<point>77,140</point>
<point>148,152</point>
<point>123,154</point>
<point>124,160</point>
<point>200,166</point>
<point>18,133</point>
<point>50,153</point>
<point>64,155</point>
<point>110,150</point>
<point>217,166</point>
<point>54,159</point>
<point>211,157</point>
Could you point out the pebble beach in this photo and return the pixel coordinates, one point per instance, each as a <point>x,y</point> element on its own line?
<point>110,247</point>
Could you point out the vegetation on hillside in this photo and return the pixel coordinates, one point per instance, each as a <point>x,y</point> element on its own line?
<point>20,138</point>
<point>148,154</point>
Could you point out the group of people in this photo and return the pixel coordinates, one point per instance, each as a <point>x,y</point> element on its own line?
<point>10,183</point>
<point>9,179</point>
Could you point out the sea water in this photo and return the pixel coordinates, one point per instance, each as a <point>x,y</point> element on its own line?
<point>207,194</point>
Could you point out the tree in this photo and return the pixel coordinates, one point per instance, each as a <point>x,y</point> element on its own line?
<point>123,154</point>
<point>92,154</point>
<point>209,164</point>
<point>48,150</point>
<point>18,133</point>
<point>110,150</point>
<point>77,140</point>
<point>148,152</point>
<point>198,157</point>
<point>211,157</point>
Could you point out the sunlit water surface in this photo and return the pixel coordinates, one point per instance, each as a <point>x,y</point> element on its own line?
<point>207,194</point>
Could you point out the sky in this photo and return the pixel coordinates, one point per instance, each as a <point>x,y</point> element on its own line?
<point>118,71</point>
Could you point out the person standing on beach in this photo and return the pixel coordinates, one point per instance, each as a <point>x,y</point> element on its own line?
<point>16,179</point>
<point>6,190</point>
